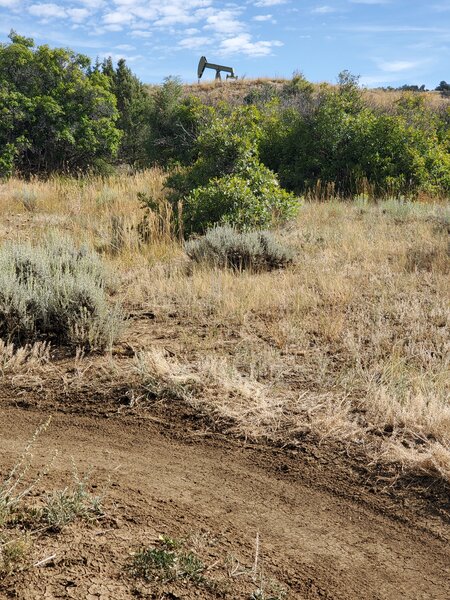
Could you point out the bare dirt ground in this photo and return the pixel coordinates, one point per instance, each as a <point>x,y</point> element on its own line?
<point>325,529</point>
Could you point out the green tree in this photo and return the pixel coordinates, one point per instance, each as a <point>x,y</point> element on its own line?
<point>174,125</point>
<point>134,105</point>
<point>443,87</point>
<point>340,143</point>
<point>55,116</point>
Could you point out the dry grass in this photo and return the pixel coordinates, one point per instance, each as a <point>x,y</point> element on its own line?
<point>104,213</point>
<point>233,91</point>
<point>15,360</point>
<point>350,342</point>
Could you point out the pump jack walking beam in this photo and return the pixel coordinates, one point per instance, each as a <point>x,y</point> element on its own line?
<point>204,64</point>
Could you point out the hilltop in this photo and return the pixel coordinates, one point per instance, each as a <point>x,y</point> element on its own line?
<point>237,90</point>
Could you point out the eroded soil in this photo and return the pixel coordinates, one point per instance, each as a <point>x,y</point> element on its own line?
<point>323,533</point>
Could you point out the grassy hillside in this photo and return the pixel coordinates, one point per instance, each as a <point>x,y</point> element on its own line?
<point>229,400</point>
<point>235,91</point>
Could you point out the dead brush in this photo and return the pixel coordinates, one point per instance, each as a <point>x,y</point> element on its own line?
<point>14,360</point>
<point>14,553</point>
<point>214,388</point>
<point>166,380</point>
<point>16,486</point>
<point>431,258</point>
<point>417,456</point>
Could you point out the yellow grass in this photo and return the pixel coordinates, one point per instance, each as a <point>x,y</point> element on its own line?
<point>351,342</point>
<point>103,212</point>
<point>235,90</point>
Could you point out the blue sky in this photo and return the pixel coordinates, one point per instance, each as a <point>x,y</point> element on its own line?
<point>386,42</point>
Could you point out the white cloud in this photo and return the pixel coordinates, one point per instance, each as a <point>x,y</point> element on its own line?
<point>141,33</point>
<point>186,24</point>
<point>94,4</point>
<point>398,66</point>
<point>225,22</point>
<point>47,11</point>
<point>243,44</point>
<point>78,14</point>
<point>270,2</point>
<point>10,3</point>
<point>323,10</point>
<point>118,17</point>
<point>193,43</point>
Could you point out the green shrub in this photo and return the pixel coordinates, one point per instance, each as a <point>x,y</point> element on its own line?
<point>55,292</point>
<point>173,123</point>
<point>226,247</point>
<point>56,113</point>
<point>65,506</point>
<point>251,202</point>
<point>167,562</point>
<point>227,183</point>
<point>341,143</point>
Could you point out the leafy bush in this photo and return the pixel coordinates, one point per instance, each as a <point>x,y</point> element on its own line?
<point>227,183</point>
<point>173,123</point>
<point>55,292</point>
<point>226,247</point>
<point>250,202</point>
<point>343,144</point>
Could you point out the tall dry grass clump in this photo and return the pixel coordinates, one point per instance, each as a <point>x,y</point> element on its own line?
<point>105,213</point>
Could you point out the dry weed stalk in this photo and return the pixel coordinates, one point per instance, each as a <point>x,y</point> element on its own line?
<point>15,360</point>
<point>15,487</point>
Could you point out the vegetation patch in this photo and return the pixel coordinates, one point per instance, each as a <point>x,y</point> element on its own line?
<point>58,292</point>
<point>167,561</point>
<point>23,521</point>
<point>171,564</point>
<point>227,183</point>
<point>75,502</point>
<point>227,247</point>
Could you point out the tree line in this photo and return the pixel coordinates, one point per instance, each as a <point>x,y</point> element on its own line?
<point>59,113</point>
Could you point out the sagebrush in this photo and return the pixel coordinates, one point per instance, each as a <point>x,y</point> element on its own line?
<point>227,247</point>
<point>58,292</point>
